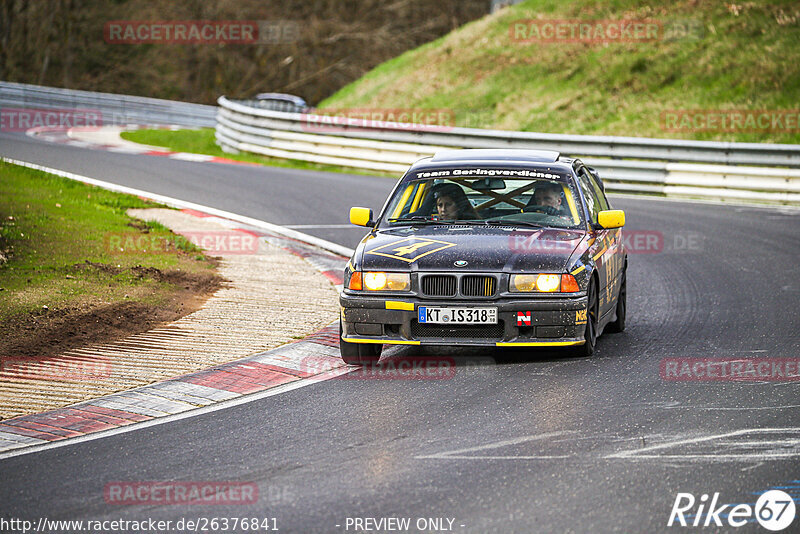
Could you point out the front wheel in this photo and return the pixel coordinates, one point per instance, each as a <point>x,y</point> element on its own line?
<point>622,308</point>
<point>590,332</point>
<point>358,353</point>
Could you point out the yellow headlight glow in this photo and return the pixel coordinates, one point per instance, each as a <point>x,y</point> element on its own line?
<point>378,281</point>
<point>548,282</point>
<point>375,281</point>
<point>526,283</point>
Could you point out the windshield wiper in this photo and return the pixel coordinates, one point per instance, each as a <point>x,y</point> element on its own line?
<point>507,222</point>
<point>417,219</point>
<point>421,219</point>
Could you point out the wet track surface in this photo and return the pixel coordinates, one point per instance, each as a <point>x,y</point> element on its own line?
<point>514,441</point>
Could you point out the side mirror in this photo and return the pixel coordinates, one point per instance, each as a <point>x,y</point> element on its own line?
<point>361,217</point>
<point>609,219</point>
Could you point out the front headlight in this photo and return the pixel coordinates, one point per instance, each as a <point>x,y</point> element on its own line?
<point>543,283</point>
<point>380,281</point>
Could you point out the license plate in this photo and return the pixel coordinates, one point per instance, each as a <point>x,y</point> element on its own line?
<point>428,314</point>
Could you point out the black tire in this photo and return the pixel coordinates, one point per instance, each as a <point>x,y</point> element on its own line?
<point>618,325</point>
<point>590,332</point>
<point>358,353</point>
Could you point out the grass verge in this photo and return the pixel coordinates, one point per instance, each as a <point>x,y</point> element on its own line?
<point>498,72</point>
<point>201,141</point>
<point>66,281</point>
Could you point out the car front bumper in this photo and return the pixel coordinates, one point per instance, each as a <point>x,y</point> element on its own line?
<point>393,321</point>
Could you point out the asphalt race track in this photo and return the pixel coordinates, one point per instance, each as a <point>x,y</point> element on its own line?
<point>515,441</point>
<point>281,196</point>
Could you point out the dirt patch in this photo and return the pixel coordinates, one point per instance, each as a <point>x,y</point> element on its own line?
<point>5,250</point>
<point>50,332</point>
<point>88,352</point>
<point>139,225</point>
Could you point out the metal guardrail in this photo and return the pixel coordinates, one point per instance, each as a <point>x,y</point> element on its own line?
<point>627,164</point>
<point>723,153</point>
<point>637,165</point>
<point>114,109</point>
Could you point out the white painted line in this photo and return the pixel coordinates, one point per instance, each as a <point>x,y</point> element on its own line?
<point>460,453</point>
<point>182,204</point>
<point>744,457</point>
<point>455,457</point>
<point>297,384</point>
<point>642,452</point>
<point>124,150</point>
<point>779,442</point>
<point>734,408</point>
<point>186,156</point>
<point>675,405</point>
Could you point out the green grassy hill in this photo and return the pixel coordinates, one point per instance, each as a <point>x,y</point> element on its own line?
<point>735,56</point>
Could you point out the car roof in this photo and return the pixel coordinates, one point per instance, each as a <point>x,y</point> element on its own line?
<point>502,157</point>
<point>281,97</point>
<point>491,154</point>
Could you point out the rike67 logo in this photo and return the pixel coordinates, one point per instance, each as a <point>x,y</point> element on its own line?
<point>774,510</point>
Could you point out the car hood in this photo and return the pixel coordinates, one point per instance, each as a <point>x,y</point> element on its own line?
<point>484,249</point>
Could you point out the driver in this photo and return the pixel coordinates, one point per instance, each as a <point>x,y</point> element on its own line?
<point>546,198</point>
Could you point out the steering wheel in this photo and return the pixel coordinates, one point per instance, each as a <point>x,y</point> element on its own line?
<point>548,210</point>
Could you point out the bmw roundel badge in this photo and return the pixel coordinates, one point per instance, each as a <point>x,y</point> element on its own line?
<point>460,263</point>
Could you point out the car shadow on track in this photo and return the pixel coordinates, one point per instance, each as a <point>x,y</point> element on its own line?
<point>477,356</point>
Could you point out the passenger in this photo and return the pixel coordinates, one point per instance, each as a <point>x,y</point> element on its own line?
<point>452,203</point>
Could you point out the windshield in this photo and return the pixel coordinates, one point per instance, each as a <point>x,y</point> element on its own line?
<point>485,200</point>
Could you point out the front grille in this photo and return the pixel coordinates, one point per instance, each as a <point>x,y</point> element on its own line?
<point>439,285</point>
<point>475,331</point>
<point>478,286</point>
